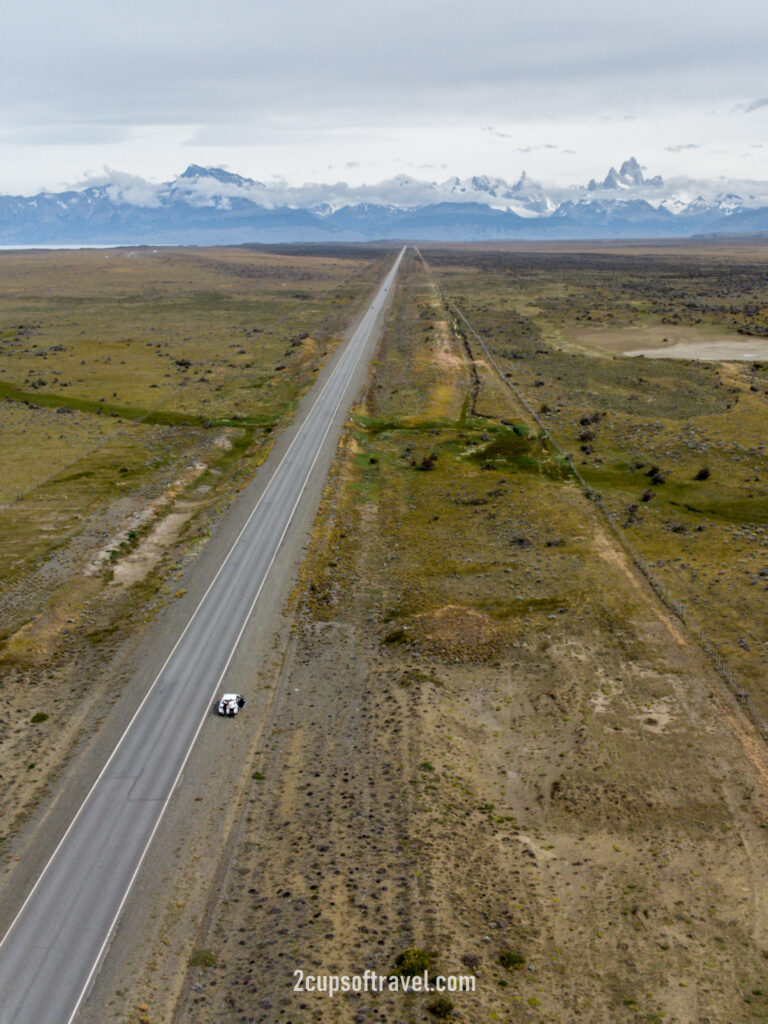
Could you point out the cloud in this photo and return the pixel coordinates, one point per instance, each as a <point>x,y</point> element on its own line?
<point>192,62</point>
<point>681,147</point>
<point>286,86</point>
<point>756,105</point>
<point>123,188</point>
<point>64,134</point>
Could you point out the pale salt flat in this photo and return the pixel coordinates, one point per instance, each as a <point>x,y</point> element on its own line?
<point>729,350</point>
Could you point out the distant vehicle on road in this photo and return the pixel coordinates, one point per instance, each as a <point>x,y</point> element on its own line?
<point>230,704</point>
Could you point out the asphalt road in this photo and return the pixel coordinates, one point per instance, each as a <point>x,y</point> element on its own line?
<point>52,951</point>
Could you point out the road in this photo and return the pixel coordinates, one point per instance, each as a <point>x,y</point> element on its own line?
<point>53,949</point>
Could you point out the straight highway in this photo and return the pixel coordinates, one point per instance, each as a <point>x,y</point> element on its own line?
<point>53,948</point>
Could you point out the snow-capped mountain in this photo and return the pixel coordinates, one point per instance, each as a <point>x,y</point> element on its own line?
<point>629,176</point>
<point>211,205</point>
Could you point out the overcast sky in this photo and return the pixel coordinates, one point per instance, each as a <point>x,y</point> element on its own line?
<point>333,89</point>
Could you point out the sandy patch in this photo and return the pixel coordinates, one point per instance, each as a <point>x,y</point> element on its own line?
<point>139,519</point>
<point>135,566</point>
<point>34,643</point>
<point>444,353</point>
<point>444,363</point>
<point>655,717</point>
<point>601,702</point>
<point>665,341</point>
<point>710,351</point>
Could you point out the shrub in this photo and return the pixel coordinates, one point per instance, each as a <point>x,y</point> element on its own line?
<point>412,961</point>
<point>441,1007</point>
<point>396,635</point>
<point>511,959</point>
<point>703,474</point>
<point>40,716</point>
<point>414,676</point>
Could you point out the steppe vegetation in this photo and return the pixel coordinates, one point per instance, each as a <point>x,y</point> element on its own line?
<point>139,390</point>
<point>113,362</point>
<point>490,740</point>
<point>490,748</point>
<point>677,449</point>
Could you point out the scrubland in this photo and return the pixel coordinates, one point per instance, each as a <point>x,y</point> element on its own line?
<point>491,743</point>
<point>676,449</point>
<point>486,746</point>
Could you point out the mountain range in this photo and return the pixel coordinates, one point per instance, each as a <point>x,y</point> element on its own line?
<point>210,205</point>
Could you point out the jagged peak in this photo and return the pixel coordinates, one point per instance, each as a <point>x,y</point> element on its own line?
<point>629,175</point>
<point>631,169</point>
<point>525,183</point>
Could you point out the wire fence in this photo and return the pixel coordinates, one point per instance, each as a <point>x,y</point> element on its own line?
<point>663,594</point>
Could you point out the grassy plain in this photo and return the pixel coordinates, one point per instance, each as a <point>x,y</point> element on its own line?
<point>139,389</point>
<point>492,748</point>
<point>678,449</point>
<point>115,364</point>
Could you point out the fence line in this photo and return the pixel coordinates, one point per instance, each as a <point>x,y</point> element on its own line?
<point>671,604</point>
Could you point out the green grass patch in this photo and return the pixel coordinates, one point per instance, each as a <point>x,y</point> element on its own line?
<point>151,417</point>
<point>47,400</point>
<point>714,498</point>
<point>203,958</point>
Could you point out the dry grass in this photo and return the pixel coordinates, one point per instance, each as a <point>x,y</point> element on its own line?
<point>196,333</point>
<point>513,746</point>
<point>704,539</point>
<point>115,365</point>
